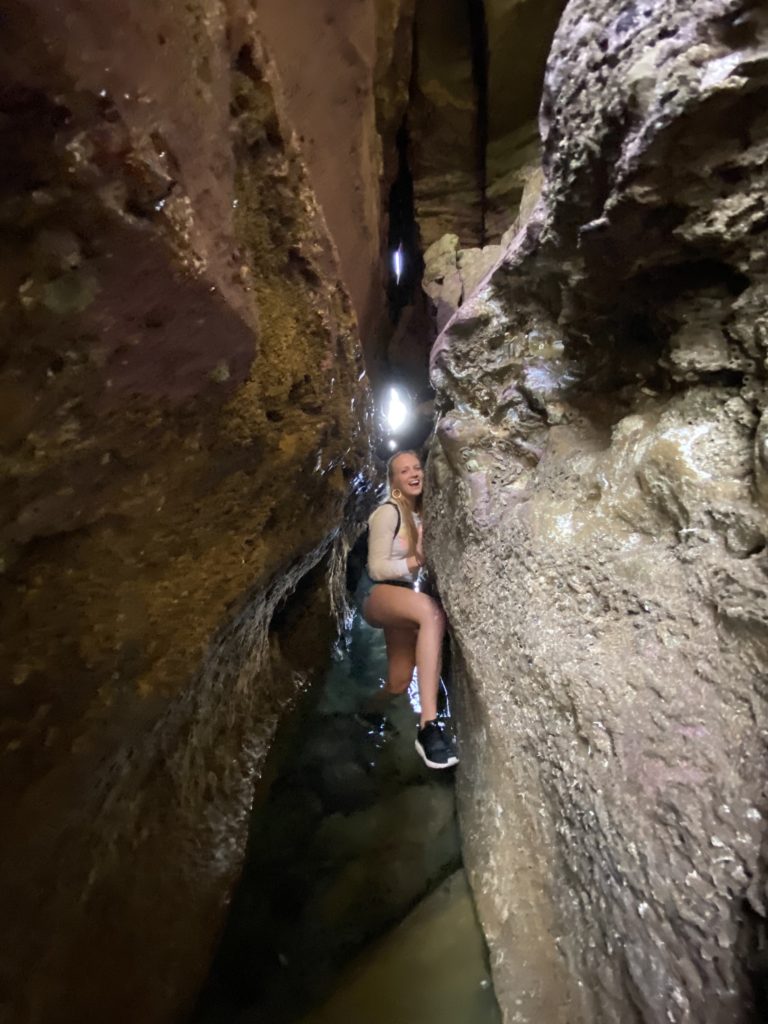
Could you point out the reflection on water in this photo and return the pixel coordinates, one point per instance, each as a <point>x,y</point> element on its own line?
<point>430,968</point>
<point>354,834</point>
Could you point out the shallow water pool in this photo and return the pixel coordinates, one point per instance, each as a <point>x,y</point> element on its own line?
<point>352,904</point>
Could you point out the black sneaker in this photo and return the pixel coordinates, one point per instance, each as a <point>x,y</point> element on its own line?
<point>435,749</point>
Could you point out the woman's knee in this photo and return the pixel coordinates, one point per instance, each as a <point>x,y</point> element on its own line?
<point>434,615</point>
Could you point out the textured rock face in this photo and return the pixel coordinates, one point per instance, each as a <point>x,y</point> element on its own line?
<point>478,71</point>
<point>519,36</point>
<point>182,409</point>
<point>444,124</point>
<point>597,521</point>
<point>452,274</point>
<point>344,67</point>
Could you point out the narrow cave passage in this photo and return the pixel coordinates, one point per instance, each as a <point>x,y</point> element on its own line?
<point>352,904</point>
<point>201,324</point>
<point>403,277</point>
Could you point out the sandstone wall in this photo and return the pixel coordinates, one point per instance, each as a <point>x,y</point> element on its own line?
<point>345,68</point>
<point>519,37</point>
<point>443,122</point>
<point>598,523</point>
<point>478,71</point>
<point>183,406</point>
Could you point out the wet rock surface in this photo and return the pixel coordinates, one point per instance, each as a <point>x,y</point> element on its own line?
<point>476,86</point>
<point>519,34</point>
<point>597,520</point>
<point>344,68</point>
<point>184,406</point>
<point>444,124</point>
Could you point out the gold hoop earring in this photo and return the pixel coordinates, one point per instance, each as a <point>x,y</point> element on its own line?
<point>397,494</point>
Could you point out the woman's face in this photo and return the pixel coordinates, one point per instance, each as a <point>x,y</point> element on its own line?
<point>407,475</point>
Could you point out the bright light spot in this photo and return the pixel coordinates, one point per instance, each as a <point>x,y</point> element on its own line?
<point>397,413</point>
<point>392,445</point>
<point>397,263</point>
<point>414,698</point>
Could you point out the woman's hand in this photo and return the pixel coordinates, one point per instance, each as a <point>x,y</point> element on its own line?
<point>416,561</point>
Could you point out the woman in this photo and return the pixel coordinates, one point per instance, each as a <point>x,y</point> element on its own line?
<point>413,623</point>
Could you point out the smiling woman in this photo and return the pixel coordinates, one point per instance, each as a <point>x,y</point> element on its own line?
<point>413,623</point>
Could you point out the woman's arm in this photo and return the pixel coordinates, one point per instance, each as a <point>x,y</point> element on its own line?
<point>381,535</point>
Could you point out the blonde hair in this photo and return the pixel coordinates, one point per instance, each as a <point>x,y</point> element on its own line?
<point>406,514</point>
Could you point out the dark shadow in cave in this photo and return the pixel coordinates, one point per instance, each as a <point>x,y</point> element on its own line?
<point>403,234</point>
<point>480,61</point>
<point>412,328</point>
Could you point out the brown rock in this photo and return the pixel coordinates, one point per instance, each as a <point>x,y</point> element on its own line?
<point>344,68</point>
<point>597,533</point>
<point>519,37</point>
<point>446,158</point>
<point>181,384</point>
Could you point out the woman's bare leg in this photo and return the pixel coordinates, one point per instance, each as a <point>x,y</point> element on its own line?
<point>401,608</point>
<point>401,657</point>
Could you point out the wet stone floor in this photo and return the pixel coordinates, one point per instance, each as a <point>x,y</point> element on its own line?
<point>352,905</point>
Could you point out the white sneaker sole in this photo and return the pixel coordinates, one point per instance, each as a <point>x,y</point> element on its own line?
<point>452,760</point>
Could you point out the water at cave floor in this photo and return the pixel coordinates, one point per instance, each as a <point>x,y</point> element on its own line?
<point>367,914</point>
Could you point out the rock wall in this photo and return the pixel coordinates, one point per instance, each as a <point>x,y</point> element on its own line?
<point>345,69</point>
<point>184,406</point>
<point>519,37</point>
<point>478,70</point>
<point>444,124</point>
<point>598,521</point>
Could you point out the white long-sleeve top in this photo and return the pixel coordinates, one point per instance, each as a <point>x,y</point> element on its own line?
<point>387,551</point>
